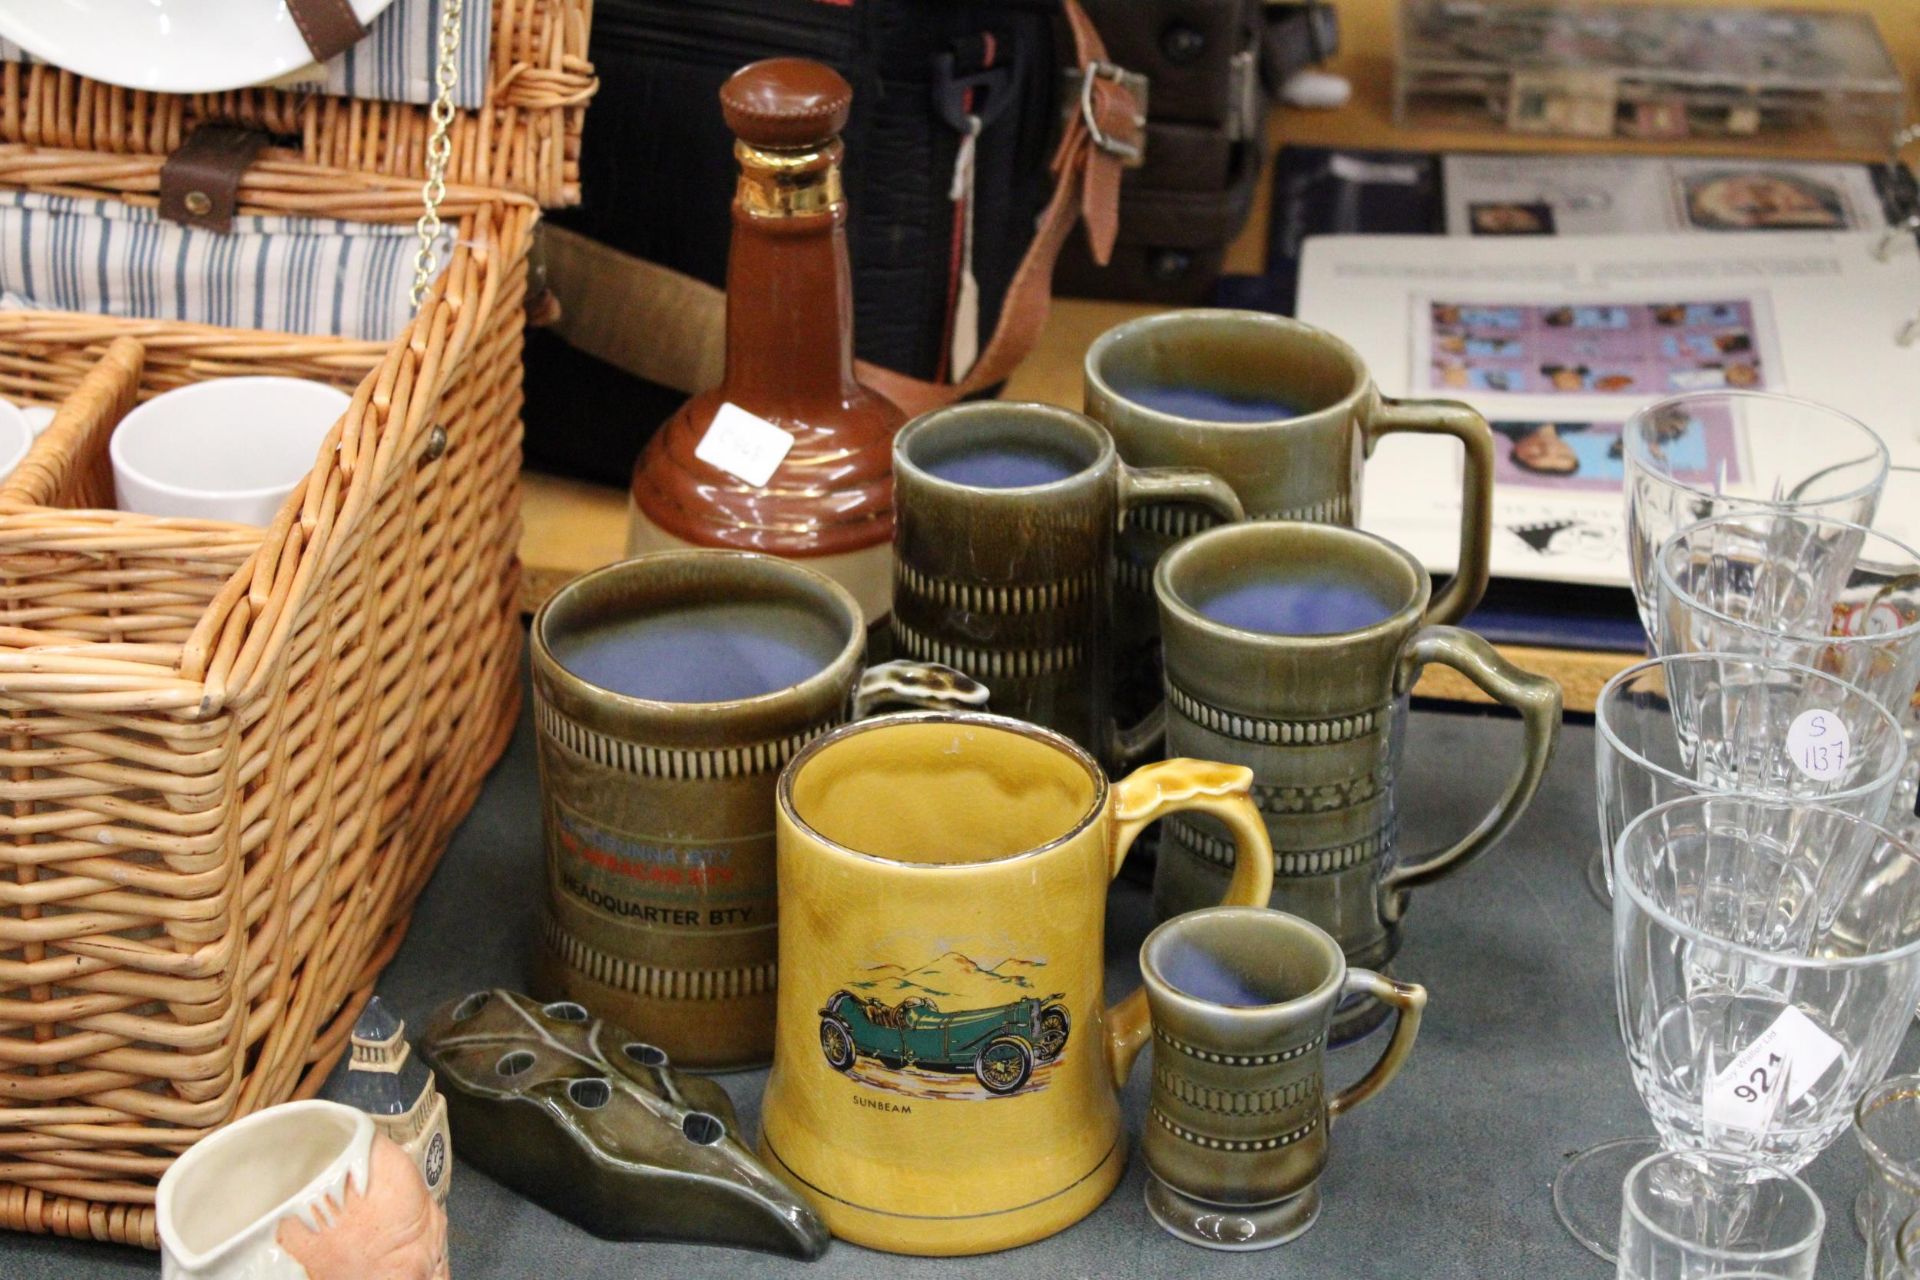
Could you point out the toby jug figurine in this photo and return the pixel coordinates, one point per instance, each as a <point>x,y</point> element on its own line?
<point>301,1191</point>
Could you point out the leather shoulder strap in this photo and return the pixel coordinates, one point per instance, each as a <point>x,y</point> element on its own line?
<point>1102,137</point>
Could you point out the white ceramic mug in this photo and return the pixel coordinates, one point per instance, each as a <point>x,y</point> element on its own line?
<point>231,449</point>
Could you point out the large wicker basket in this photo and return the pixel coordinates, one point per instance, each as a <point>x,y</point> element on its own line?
<point>232,757</point>
<point>526,138</point>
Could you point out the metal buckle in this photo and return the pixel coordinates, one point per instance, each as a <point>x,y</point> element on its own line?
<point>1131,153</point>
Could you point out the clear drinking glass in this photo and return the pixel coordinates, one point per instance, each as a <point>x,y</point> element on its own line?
<point>1752,933</point>
<point>1690,1215</point>
<point>1733,912</point>
<point>1645,755</point>
<point>1825,593</point>
<point>1715,452</point>
<point>1887,1126</point>
<point>1698,724</point>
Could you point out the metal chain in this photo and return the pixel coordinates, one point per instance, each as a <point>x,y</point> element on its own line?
<point>446,75</point>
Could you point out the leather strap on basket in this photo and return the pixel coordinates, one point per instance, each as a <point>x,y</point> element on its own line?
<point>1101,139</point>
<point>200,181</point>
<point>328,26</point>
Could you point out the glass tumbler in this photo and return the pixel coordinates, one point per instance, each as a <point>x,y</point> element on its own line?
<point>1698,724</point>
<point>1714,452</point>
<point>1824,593</point>
<point>1692,1215</point>
<point>1887,1126</point>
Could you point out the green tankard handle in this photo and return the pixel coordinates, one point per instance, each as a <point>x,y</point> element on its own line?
<point>1451,418</point>
<point>1408,1000</point>
<point>1535,697</point>
<point>1142,486</point>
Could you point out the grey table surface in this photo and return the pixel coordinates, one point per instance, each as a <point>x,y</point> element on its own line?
<point>1445,1174</point>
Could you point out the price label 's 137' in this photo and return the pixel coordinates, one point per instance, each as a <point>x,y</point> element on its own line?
<point>1820,745</point>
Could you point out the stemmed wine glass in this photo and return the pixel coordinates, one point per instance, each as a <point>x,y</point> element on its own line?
<point>1650,722</point>
<point>1701,723</point>
<point>1766,952</point>
<point>1898,516</point>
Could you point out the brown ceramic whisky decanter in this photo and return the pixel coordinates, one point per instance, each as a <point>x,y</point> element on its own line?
<point>704,479</point>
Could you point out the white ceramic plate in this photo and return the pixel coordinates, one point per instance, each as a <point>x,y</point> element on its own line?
<point>169,46</point>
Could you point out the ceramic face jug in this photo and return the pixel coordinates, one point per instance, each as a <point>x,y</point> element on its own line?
<point>945,1063</point>
<point>301,1191</point>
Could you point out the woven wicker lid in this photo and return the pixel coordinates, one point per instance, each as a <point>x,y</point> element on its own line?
<point>785,103</point>
<point>524,137</point>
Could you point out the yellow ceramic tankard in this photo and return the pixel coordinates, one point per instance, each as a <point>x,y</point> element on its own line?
<point>945,1068</point>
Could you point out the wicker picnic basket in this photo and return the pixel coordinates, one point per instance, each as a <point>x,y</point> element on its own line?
<point>232,756</point>
<point>526,138</point>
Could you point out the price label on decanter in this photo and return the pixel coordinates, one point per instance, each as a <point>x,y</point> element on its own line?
<point>1779,1068</point>
<point>1820,745</point>
<point>744,444</point>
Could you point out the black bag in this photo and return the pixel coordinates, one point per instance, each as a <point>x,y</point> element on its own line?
<point>1215,66</point>
<point>659,173</point>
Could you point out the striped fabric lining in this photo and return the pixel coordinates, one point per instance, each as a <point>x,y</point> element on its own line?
<point>311,276</point>
<point>394,63</point>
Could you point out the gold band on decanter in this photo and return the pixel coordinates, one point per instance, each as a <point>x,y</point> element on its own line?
<point>785,184</point>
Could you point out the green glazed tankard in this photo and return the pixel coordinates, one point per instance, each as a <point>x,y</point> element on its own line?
<point>1005,519</point>
<point>1289,414</point>
<point>1242,999</point>
<point>657,774</point>
<point>1321,719</point>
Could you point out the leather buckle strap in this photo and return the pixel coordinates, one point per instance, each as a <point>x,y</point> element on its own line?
<point>1113,105</point>
<point>200,181</point>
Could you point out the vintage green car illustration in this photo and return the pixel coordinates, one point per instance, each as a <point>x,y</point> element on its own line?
<point>1000,1046</point>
